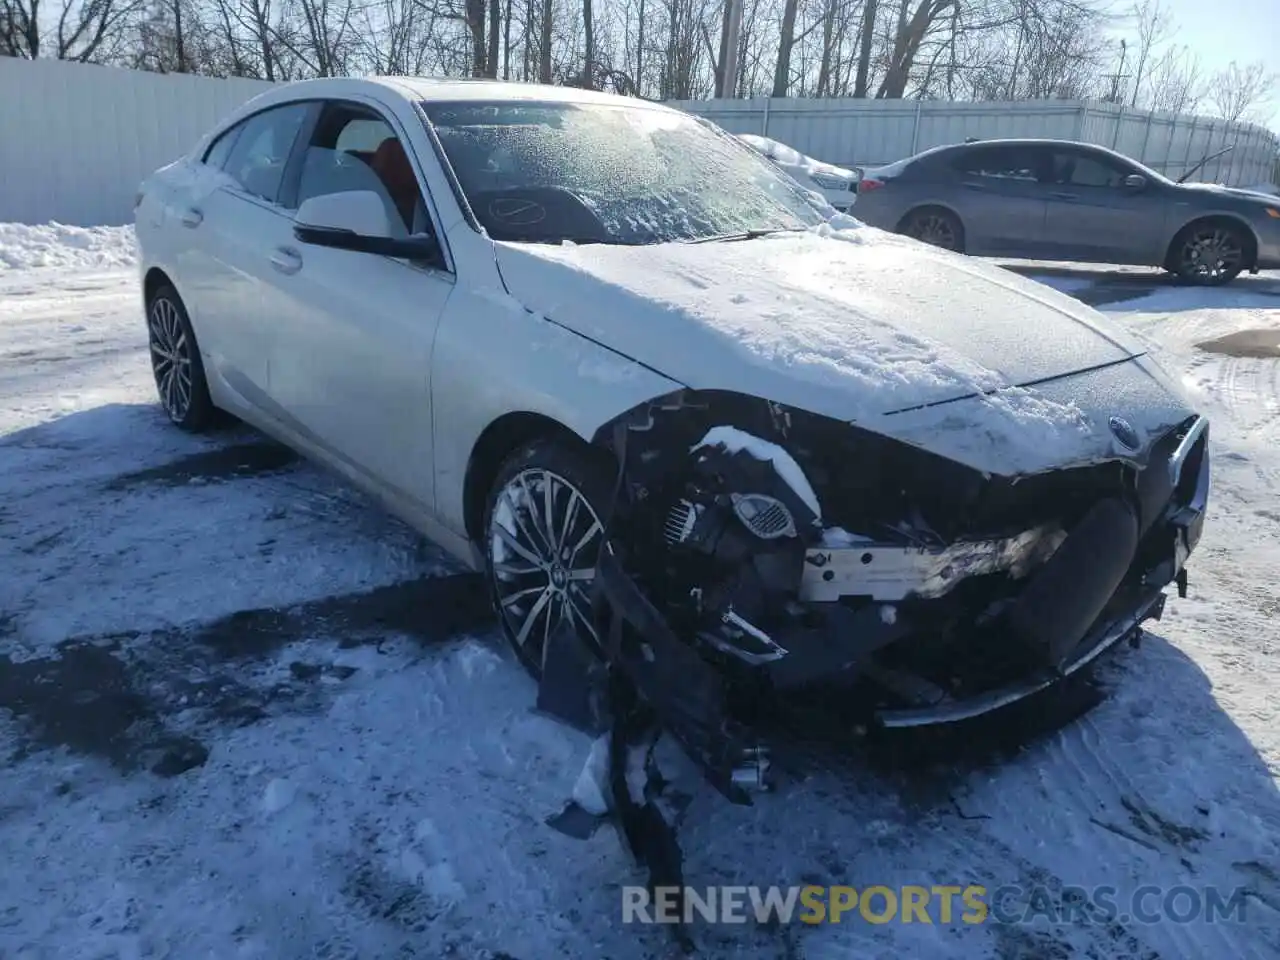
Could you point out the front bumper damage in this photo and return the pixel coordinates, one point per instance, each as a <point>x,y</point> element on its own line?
<point>748,564</point>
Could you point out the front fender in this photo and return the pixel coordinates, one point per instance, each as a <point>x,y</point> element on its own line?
<point>494,357</point>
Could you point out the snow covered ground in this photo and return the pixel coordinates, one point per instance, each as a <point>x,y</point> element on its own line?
<point>245,715</point>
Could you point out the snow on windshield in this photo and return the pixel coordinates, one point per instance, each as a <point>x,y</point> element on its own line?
<point>599,173</point>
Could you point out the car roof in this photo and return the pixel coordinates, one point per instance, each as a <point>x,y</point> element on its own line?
<point>1011,142</point>
<point>445,89</point>
<point>1020,142</point>
<point>416,88</point>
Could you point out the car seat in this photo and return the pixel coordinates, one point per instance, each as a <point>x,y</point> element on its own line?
<point>391,164</point>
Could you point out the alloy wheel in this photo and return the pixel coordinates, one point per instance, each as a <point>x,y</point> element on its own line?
<point>170,358</point>
<point>935,229</point>
<point>544,539</point>
<point>1211,253</point>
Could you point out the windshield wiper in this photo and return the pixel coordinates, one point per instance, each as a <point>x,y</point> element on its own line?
<point>746,235</point>
<point>1203,160</point>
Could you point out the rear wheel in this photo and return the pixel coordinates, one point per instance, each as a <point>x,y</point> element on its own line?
<point>176,364</point>
<point>1208,253</point>
<point>934,226</point>
<point>544,527</point>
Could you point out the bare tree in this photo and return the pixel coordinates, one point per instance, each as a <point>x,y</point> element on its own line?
<point>1175,81</point>
<point>1154,27</point>
<point>1238,93</point>
<point>91,31</point>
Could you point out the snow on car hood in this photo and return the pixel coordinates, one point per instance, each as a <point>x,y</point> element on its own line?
<point>853,323</point>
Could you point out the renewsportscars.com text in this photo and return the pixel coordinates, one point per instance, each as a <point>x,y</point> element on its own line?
<point>936,904</point>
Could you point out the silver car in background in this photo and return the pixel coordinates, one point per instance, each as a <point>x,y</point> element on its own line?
<point>838,185</point>
<point>1063,200</point>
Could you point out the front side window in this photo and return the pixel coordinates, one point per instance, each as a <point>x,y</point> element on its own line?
<point>603,173</point>
<point>353,149</point>
<point>1075,169</point>
<point>216,156</point>
<point>261,150</point>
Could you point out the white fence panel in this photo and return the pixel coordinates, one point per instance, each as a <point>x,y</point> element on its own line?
<point>76,139</point>
<point>872,132</point>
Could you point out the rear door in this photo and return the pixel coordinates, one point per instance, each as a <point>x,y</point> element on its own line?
<point>235,222</point>
<point>351,346</point>
<point>998,194</point>
<point>1094,216</point>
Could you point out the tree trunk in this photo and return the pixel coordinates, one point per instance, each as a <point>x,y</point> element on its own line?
<point>824,67</point>
<point>544,44</point>
<point>718,66</point>
<point>907,45</point>
<point>475,23</point>
<point>864,48</point>
<point>589,47</point>
<point>179,38</point>
<point>640,51</point>
<point>495,35</point>
<point>782,72</point>
<point>527,46</point>
<point>506,43</point>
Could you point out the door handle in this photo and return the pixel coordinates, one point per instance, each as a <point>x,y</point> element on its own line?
<point>1065,196</point>
<point>969,185</point>
<point>286,260</point>
<point>191,217</point>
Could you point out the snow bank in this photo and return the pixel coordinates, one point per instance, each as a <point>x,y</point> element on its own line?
<point>23,247</point>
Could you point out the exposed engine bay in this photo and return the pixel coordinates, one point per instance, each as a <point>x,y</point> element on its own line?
<point>754,551</point>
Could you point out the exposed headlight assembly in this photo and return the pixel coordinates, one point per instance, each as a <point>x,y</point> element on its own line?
<point>767,517</point>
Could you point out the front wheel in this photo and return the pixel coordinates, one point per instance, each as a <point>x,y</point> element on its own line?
<point>936,227</point>
<point>1208,254</point>
<point>176,364</point>
<point>544,527</point>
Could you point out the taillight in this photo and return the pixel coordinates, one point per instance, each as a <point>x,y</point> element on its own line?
<point>868,184</point>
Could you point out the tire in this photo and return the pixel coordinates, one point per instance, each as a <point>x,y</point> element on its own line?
<point>1208,253</point>
<point>531,585</point>
<point>176,364</point>
<point>934,226</point>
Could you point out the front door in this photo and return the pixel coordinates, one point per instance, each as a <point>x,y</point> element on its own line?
<point>1094,216</point>
<point>351,357</point>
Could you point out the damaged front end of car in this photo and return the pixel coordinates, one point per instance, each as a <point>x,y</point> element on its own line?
<point>756,550</point>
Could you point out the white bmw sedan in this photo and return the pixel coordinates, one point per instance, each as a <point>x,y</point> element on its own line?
<point>687,426</point>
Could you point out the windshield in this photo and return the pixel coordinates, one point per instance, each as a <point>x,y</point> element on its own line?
<point>599,173</point>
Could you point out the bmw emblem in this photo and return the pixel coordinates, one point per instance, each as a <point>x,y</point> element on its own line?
<point>1124,432</point>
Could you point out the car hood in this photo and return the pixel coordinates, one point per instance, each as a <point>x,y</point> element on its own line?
<point>1236,192</point>
<point>854,323</point>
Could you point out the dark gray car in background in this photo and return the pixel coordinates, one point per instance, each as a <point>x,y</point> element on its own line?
<point>1062,200</point>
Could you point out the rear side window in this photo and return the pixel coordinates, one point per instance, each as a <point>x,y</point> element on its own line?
<point>999,163</point>
<point>258,158</point>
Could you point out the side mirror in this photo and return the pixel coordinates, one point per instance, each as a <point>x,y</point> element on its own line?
<point>1135,182</point>
<point>358,220</point>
